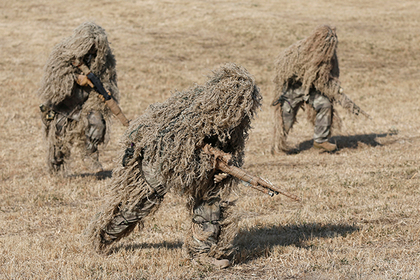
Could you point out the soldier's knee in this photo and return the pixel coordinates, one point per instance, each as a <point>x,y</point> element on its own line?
<point>322,102</point>
<point>205,226</point>
<point>207,216</point>
<point>288,116</point>
<point>57,157</point>
<point>95,131</point>
<point>96,125</point>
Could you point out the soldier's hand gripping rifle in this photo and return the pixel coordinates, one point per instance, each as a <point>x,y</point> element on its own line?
<point>96,84</point>
<point>348,104</point>
<point>222,163</point>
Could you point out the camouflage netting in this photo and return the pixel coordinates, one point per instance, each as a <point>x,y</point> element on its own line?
<point>58,84</point>
<point>60,74</point>
<point>169,137</point>
<point>312,62</point>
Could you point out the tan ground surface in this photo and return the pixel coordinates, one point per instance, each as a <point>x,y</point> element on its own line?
<point>359,218</point>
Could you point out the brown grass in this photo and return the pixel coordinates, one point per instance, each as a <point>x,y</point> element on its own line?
<point>359,218</point>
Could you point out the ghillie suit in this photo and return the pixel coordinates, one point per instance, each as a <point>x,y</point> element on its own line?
<point>163,151</point>
<point>307,72</point>
<point>73,114</point>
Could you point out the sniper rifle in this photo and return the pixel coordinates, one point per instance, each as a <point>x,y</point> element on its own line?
<point>222,160</point>
<point>348,104</point>
<point>95,83</point>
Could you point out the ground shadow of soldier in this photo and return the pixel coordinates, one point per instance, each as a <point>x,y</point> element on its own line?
<point>258,242</point>
<point>350,141</point>
<point>101,175</point>
<point>139,246</point>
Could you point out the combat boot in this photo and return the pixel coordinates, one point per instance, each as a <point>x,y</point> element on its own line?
<point>325,146</point>
<point>221,264</point>
<point>206,260</point>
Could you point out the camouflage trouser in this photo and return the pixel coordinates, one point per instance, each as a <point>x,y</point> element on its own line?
<point>205,227</point>
<point>59,148</point>
<point>126,218</point>
<point>293,99</point>
<point>205,230</point>
<point>95,131</point>
<point>206,216</point>
<point>60,138</point>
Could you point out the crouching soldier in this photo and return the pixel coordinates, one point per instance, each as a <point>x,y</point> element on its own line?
<point>307,73</point>
<point>163,149</point>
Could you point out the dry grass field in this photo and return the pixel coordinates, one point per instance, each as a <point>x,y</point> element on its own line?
<point>359,217</point>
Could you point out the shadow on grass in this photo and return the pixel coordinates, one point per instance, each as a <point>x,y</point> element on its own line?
<point>258,242</point>
<point>101,175</point>
<point>350,142</point>
<point>139,246</point>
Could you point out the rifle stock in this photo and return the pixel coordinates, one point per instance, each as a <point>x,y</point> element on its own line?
<point>222,163</point>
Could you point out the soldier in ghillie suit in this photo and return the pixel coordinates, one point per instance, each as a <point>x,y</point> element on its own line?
<point>307,73</point>
<point>162,150</point>
<point>72,112</point>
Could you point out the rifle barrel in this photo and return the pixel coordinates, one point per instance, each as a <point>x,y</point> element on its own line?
<point>255,182</point>
<point>222,163</point>
<point>348,104</point>
<point>240,174</point>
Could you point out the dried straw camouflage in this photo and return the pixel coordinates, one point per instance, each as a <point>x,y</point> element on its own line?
<point>162,151</point>
<point>60,74</point>
<point>313,62</point>
<point>58,86</point>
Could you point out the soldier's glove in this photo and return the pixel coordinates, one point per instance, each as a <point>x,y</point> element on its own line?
<point>101,97</point>
<point>220,177</point>
<point>83,81</point>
